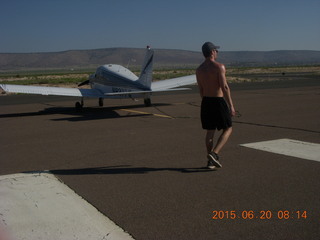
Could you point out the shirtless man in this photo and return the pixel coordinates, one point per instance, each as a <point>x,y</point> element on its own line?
<point>216,106</point>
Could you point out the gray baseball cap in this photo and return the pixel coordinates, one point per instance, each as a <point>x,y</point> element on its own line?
<point>207,47</point>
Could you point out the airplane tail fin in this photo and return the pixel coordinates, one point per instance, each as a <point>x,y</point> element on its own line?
<point>146,70</point>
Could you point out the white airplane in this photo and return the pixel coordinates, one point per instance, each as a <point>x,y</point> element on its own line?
<point>113,81</point>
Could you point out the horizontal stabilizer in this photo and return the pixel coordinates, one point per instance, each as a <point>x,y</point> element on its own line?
<point>173,83</point>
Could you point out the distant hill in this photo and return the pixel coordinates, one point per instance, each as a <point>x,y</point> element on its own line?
<point>163,58</point>
<point>271,58</point>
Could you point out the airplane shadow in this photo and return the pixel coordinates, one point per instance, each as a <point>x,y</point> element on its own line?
<point>123,169</point>
<point>85,114</point>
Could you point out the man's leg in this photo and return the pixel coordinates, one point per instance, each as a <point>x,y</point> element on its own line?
<point>222,140</point>
<point>209,140</point>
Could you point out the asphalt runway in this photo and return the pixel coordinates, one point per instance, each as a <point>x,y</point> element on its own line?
<point>144,168</point>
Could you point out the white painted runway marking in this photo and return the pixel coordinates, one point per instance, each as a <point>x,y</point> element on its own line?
<point>39,206</point>
<point>289,147</point>
<point>146,113</point>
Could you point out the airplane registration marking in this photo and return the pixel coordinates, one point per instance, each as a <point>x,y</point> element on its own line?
<point>146,113</point>
<point>289,147</point>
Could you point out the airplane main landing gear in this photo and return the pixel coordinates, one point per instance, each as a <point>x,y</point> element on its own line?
<point>101,102</point>
<point>79,105</point>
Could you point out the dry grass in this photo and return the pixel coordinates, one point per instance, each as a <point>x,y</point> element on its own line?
<point>233,75</point>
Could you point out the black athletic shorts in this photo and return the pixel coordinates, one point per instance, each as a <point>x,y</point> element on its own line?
<point>215,113</point>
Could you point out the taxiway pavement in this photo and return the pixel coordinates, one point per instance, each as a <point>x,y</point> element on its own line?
<point>144,168</point>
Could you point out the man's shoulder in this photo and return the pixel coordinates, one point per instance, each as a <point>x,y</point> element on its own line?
<point>220,66</point>
<point>205,66</point>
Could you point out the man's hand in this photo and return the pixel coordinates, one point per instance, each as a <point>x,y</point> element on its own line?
<point>232,111</point>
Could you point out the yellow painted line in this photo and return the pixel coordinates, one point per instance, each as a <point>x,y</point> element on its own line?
<point>145,113</point>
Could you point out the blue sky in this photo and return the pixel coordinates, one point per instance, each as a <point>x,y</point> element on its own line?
<point>235,25</point>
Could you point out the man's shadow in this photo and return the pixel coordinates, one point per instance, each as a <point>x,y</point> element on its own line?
<point>123,169</point>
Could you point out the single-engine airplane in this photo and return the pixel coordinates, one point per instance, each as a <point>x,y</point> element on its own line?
<point>112,81</point>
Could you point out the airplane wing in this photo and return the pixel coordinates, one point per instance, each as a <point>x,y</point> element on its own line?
<point>165,85</point>
<point>158,86</point>
<point>146,91</point>
<point>59,91</point>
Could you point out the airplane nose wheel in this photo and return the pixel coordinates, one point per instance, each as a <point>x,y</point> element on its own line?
<point>79,105</point>
<point>147,102</point>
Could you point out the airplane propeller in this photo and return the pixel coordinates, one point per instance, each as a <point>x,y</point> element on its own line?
<point>84,83</point>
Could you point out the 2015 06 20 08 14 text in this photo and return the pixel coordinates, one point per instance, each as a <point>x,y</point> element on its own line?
<point>263,214</point>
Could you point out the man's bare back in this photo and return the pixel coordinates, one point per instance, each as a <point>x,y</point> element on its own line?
<point>208,74</point>
<point>212,82</point>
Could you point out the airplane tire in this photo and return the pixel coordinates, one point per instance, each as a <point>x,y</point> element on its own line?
<point>79,106</point>
<point>147,102</point>
<point>101,102</point>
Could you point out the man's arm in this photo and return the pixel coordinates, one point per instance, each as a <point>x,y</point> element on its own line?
<point>225,89</point>
<point>199,84</point>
